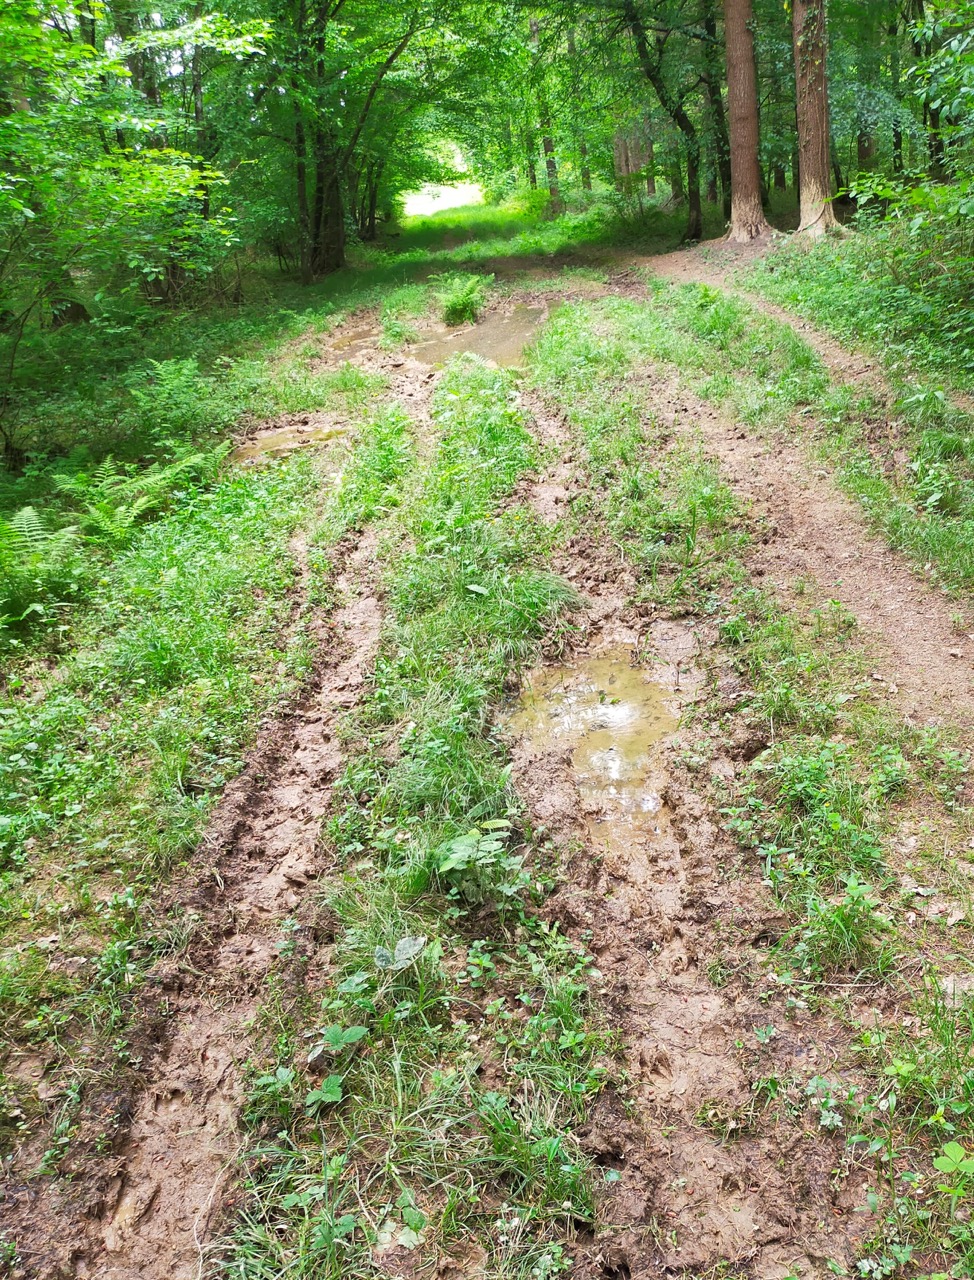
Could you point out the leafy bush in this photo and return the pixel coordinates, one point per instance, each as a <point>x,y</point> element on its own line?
<point>176,401</point>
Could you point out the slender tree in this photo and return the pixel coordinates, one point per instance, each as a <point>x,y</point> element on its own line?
<point>556,205</point>
<point>673,102</point>
<point>747,221</point>
<point>812,98</point>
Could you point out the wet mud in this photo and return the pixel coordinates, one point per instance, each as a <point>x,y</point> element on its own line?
<point>262,856</point>
<point>500,337</point>
<point>612,716</point>
<point>699,1176</point>
<point>702,1178</point>
<point>281,440</point>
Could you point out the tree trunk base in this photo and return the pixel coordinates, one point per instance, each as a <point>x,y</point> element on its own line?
<point>748,232</point>
<point>826,224</point>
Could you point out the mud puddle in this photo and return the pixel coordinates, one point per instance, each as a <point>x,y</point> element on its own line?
<point>613,717</point>
<point>500,337</point>
<point>286,440</point>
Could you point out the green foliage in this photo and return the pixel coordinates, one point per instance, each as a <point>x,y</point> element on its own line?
<point>40,569</point>
<point>461,297</point>
<point>477,866</point>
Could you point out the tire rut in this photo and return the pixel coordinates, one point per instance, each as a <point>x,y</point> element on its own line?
<point>813,532</point>
<point>652,906</point>
<point>855,368</point>
<point>263,857</point>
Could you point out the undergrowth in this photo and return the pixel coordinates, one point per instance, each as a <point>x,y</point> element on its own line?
<point>903,293</point>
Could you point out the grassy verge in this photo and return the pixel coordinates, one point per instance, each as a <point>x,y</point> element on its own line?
<point>820,811</point>
<point>915,482</point>
<point>904,296</point>
<point>111,764</point>
<point>418,1100</point>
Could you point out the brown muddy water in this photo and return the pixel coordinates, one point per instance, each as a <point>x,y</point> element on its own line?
<point>499,337</point>
<point>612,717</point>
<point>285,440</point>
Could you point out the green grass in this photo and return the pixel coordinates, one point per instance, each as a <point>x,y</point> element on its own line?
<point>439,958</point>
<point>763,374</point>
<point>905,296</point>
<point>111,765</point>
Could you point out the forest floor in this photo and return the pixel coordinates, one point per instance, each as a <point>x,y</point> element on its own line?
<point>597,901</point>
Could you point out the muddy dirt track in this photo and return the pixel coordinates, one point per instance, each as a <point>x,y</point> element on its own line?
<point>646,880</point>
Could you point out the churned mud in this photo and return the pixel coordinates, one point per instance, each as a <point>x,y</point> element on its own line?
<point>698,1175</point>
<point>699,1178</point>
<point>144,1210</point>
<point>264,852</point>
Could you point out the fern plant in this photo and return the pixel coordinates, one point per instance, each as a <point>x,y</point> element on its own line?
<point>38,566</point>
<point>113,498</point>
<point>461,296</point>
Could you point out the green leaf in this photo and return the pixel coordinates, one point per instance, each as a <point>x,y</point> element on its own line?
<point>477,589</point>
<point>329,1092</point>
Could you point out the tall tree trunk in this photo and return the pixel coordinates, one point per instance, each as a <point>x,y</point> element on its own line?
<point>529,159</point>
<point>677,190</point>
<point>894,75</point>
<point>650,165</point>
<point>329,243</point>
<point>304,212</point>
<point>200,123</point>
<point>865,148</point>
<point>747,214</point>
<point>938,153</point>
<point>811,84</point>
<point>620,161</point>
<point>673,106</point>
<point>585,171</point>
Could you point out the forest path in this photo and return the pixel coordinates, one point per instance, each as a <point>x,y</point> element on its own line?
<point>655,906</point>
<point>921,638</point>
<point>814,534</point>
<point>714,264</point>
